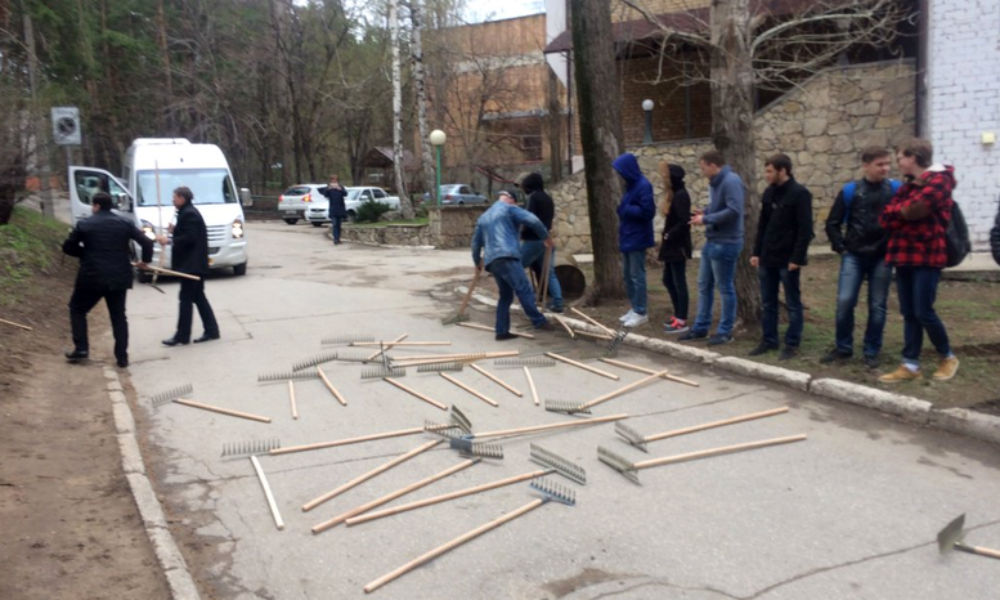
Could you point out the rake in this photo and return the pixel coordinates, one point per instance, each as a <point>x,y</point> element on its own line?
<point>550,426</point>
<point>553,464</point>
<point>565,325</point>
<point>951,538</point>
<point>565,407</point>
<point>314,361</point>
<point>638,440</point>
<point>271,504</point>
<point>175,396</point>
<point>616,341</point>
<point>467,446</point>
<point>291,399</point>
<point>549,491</point>
<point>398,344</point>
<point>381,372</point>
<point>596,336</point>
<point>630,469</point>
<point>346,339</point>
<point>414,393</point>
<point>459,419</point>
<point>465,387</point>
<point>592,321</point>
<point>329,386</point>
<point>353,356</point>
<point>580,365</point>
<point>466,357</point>
<point>482,327</point>
<point>438,367</point>
<point>648,371</point>
<point>249,448</point>
<point>347,441</point>
<point>460,315</point>
<point>285,376</point>
<point>531,385</point>
<point>496,380</point>
<point>624,389</point>
<point>337,520</point>
<point>387,346</point>
<point>366,476</point>
<point>525,361</point>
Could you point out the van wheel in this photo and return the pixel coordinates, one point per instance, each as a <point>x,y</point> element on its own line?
<point>240,269</point>
<point>291,221</point>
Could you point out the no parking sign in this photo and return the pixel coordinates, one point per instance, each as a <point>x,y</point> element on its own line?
<point>66,125</point>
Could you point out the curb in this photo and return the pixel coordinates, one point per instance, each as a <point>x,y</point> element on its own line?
<point>962,421</point>
<point>171,561</point>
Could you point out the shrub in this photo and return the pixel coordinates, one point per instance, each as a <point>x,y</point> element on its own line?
<point>371,211</point>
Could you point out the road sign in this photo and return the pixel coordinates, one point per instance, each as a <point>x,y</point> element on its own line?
<point>66,125</point>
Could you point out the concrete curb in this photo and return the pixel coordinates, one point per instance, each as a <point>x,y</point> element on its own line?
<point>182,586</point>
<point>914,410</point>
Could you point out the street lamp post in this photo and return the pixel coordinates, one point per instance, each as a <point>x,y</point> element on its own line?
<point>437,139</point>
<point>647,106</point>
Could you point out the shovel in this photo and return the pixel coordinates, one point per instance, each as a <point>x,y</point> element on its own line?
<point>950,538</point>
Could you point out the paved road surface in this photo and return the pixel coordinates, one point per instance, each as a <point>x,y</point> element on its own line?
<point>850,513</point>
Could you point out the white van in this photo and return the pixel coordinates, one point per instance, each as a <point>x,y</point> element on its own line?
<point>153,168</point>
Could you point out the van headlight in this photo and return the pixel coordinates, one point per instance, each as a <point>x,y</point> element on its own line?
<point>237,229</point>
<point>148,230</point>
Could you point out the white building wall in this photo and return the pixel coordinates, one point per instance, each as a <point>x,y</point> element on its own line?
<point>963,104</point>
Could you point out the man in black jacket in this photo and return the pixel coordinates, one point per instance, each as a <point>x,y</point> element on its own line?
<point>335,194</point>
<point>783,234</point>
<point>102,244</point>
<point>532,249</point>
<point>854,232</point>
<point>995,238</point>
<point>190,255</point>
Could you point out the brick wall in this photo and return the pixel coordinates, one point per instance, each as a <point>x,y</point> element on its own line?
<point>963,101</point>
<point>672,104</point>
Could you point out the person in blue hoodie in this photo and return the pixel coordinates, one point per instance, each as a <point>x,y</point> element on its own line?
<point>723,221</point>
<point>635,234</point>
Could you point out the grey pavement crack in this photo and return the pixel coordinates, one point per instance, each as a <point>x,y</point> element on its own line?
<point>665,583</point>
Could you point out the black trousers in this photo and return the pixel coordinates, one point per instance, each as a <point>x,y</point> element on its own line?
<point>675,280</point>
<point>84,299</point>
<point>193,292</point>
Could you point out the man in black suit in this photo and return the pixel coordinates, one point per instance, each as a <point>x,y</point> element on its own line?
<point>102,244</point>
<point>190,255</point>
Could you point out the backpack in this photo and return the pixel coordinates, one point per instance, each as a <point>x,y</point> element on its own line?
<point>851,187</point>
<point>957,237</point>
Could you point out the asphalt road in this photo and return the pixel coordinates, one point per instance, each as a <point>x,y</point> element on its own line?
<point>852,512</point>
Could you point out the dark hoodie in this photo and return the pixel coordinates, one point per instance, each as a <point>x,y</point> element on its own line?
<point>676,244</point>
<point>636,210</point>
<point>539,203</point>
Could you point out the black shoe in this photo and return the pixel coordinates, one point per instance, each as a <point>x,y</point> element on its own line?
<point>173,342</point>
<point>546,326</point>
<point>504,336</point>
<point>788,352</point>
<point>76,356</point>
<point>122,363</point>
<point>834,356</point>
<point>206,338</point>
<point>719,339</point>
<point>871,361</point>
<point>556,309</point>
<point>761,349</point>
<point>693,335</point>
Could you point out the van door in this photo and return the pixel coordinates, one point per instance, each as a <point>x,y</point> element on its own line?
<point>87,181</point>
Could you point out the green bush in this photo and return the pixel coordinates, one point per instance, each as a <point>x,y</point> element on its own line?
<point>420,212</point>
<point>371,211</point>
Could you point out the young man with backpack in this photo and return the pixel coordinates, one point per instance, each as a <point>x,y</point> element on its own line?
<point>855,234</point>
<point>917,219</point>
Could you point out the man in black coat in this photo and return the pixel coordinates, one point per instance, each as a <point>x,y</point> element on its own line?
<point>102,244</point>
<point>533,251</point>
<point>335,194</point>
<point>995,238</point>
<point>190,255</point>
<point>783,234</point>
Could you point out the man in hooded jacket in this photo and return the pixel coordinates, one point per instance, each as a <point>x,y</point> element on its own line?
<point>635,234</point>
<point>532,248</point>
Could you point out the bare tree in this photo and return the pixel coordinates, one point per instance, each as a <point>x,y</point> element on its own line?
<point>420,85</point>
<point>600,136</point>
<point>746,47</point>
<point>398,157</point>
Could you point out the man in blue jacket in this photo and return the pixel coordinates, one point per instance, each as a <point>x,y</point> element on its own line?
<point>723,221</point>
<point>635,234</point>
<point>497,232</point>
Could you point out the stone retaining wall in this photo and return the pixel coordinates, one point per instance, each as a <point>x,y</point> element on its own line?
<point>392,235</point>
<point>452,226</point>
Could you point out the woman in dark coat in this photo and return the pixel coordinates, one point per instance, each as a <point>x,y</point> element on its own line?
<point>675,247</point>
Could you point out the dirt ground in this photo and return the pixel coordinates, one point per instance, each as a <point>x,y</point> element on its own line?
<point>71,529</point>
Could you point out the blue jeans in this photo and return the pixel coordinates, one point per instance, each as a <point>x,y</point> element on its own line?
<point>335,225</point>
<point>854,269</point>
<point>718,265</point>
<point>634,267</point>
<point>917,288</point>
<point>510,278</point>
<point>532,256</point>
<point>770,277</point>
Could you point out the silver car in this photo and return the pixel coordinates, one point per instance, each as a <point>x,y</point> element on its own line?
<point>456,193</point>
<point>296,201</point>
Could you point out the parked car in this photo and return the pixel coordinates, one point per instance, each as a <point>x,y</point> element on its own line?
<point>356,196</point>
<point>293,203</point>
<point>456,193</point>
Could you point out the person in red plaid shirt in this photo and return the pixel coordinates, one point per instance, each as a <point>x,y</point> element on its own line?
<point>917,218</point>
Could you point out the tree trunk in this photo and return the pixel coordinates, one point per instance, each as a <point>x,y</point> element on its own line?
<point>732,130</point>
<point>398,156</point>
<point>161,41</point>
<point>600,137</point>
<point>417,60</point>
<point>555,129</point>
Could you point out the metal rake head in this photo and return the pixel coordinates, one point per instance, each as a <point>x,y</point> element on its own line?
<point>525,361</point>
<point>437,368</point>
<point>616,342</point>
<point>563,406</point>
<point>468,447</point>
<point>618,463</point>
<point>380,371</point>
<point>554,491</point>
<point>459,419</point>
<point>285,375</point>
<point>312,361</point>
<point>631,436</point>
<point>171,394</point>
<point>346,339</point>
<point>562,466</point>
<point>249,447</point>
<point>446,430</point>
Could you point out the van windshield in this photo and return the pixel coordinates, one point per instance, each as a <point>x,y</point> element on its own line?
<point>209,186</point>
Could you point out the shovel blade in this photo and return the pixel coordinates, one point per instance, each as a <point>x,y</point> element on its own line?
<point>951,534</point>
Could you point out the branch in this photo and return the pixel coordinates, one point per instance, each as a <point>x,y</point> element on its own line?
<point>669,33</point>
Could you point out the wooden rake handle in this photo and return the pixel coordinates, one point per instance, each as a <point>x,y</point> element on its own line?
<point>739,419</point>
<point>624,390</point>
<point>592,321</point>
<point>565,326</point>
<point>278,522</point>
<point>468,294</point>
<point>13,324</point>
<point>546,265</point>
<point>171,272</point>
<point>980,550</point>
<point>479,395</point>
<point>640,369</point>
<point>329,386</point>
<point>354,440</point>
<point>488,328</point>
<point>291,399</point>
<point>559,425</point>
<point>449,496</point>
<point>365,477</point>
<point>222,411</point>
<point>496,380</point>
<point>388,346</point>
<point>531,385</point>
<point>415,393</point>
<point>666,460</point>
<point>443,548</point>
<point>580,365</point>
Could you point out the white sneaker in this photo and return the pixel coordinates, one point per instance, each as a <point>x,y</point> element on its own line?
<point>635,320</point>
<point>626,316</point>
